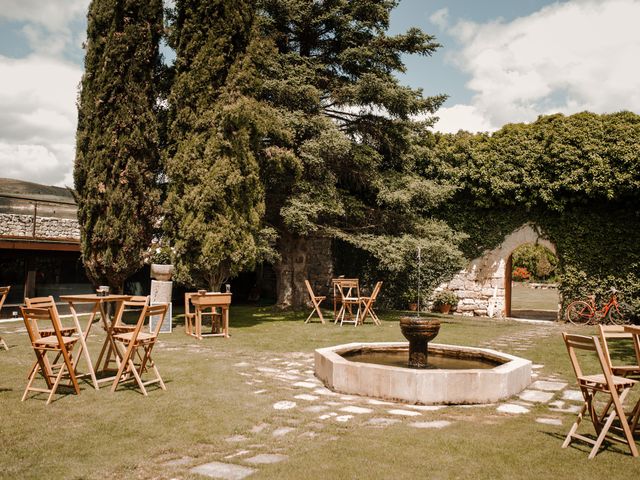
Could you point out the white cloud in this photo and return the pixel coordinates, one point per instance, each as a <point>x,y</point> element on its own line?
<point>38,118</point>
<point>567,57</point>
<point>54,15</point>
<point>461,117</point>
<point>440,18</point>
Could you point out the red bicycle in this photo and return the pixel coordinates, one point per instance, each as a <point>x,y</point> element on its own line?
<point>582,312</point>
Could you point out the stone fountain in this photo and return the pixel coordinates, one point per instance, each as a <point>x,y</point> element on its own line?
<point>437,373</point>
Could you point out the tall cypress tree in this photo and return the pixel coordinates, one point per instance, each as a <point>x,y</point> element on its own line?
<point>215,202</point>
<point>117,156</point>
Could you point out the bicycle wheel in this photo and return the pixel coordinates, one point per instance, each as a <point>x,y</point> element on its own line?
<point>579,313</point>
<point>617,314</point>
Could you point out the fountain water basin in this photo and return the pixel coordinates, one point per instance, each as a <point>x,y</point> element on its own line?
<point>502,376</point>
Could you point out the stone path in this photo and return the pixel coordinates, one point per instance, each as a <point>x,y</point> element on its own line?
<point>303,407</point>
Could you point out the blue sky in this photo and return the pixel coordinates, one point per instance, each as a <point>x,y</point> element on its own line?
<point>502,61</point>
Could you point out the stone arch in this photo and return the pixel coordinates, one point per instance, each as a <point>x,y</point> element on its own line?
<point>483,285</point>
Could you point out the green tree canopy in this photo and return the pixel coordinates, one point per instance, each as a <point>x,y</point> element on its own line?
<point>341,161</point>
<point>117,157</point>
<point>215,201</point>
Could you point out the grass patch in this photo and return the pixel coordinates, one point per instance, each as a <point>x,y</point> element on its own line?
<point>210,399</point>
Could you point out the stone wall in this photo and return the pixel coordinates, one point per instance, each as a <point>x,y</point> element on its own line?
<point>13,225</point>
<point>481,286</point>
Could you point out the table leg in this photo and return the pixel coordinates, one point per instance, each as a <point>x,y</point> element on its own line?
<point>82,339</point>
<point>225,316</point>
<point>198,323</point>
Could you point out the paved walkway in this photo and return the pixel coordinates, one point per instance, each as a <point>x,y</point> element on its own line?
<point>303,407</point>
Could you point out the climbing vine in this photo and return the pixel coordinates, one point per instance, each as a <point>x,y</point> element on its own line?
<point>576,177</point>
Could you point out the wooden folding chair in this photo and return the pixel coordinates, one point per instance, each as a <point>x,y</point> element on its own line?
<point>316,301</point>
<point>348,290</point>
<point>190,315</point>
<point>366,306</point>
<point>615,388</point>
<point>139,344</point>
<point>616,332</point>
<point>48,302</point>
<point>118,326</point>
<point>4,291</point>
<point>57,343</point>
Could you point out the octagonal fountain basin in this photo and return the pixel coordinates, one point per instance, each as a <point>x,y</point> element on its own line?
<point>456,374</point>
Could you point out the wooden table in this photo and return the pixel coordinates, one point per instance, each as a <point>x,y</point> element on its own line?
<point>343,288</point>
<point>211,301</point>
<point>98,302</point>
<point>634,330</point>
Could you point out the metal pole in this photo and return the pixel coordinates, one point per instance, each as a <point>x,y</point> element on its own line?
<point>419,266</point>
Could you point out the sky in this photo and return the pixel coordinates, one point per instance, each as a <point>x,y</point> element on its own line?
<point>501,61</point>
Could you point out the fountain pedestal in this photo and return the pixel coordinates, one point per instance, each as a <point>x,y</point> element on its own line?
<point>419,331</point>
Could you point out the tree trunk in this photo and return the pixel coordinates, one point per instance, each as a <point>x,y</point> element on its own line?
<point>291,271</point>
<point>302,258</point>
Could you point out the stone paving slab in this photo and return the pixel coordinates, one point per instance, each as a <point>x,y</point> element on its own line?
<point>352,409</point>
<point>266,458</point>
<point>282,431</point>
<point>226,471</point>
<point>548,386</point>
<point>511,408</point>
<point>406,413</point>
<point>573,395</point>
<point>549,421</point>
<point>535,396</point>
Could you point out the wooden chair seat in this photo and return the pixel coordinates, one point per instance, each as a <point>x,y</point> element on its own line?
<point>65,331</point>
<point>52,340</point>
<point>128,336</point>
<point>599,380</point>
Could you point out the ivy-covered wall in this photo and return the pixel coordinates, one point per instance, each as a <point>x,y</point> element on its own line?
<point>576,177</point>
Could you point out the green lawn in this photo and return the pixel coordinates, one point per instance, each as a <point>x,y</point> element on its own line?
<point>219,403</point>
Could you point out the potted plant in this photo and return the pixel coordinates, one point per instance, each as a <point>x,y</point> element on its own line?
<point>410,296</point>
<point>444,300</point>
<point>161,266</point>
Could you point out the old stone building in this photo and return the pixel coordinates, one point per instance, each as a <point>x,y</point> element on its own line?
<point>39,242</point>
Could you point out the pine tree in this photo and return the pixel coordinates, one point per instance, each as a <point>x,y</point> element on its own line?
<point>215,203</point>
<point>343,164</point>
<point>117,157</point>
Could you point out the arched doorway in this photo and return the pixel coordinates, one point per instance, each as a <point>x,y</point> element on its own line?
<point>531,289</point>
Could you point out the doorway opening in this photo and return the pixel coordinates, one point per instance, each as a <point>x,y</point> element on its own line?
<point>531,283</point>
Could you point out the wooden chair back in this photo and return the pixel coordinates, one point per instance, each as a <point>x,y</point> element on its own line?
<point>613,387</point>
<point>616,332</point>
<point>316,300</point>
<point>348,287</point>
<point>4,291</point>
<point>367,305</point>
<point>48,302</point>
<point>136,302</point>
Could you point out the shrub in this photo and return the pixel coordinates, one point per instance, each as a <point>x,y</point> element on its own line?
<point>445,297</point>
